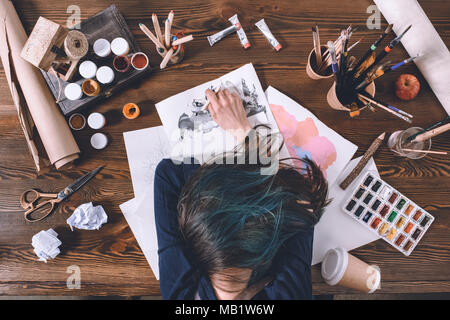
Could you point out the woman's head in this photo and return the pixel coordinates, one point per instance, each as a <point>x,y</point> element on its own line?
<point>232,216</point>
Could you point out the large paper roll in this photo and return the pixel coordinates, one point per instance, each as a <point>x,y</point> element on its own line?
<point>422,39</point>
<point>53,130</point>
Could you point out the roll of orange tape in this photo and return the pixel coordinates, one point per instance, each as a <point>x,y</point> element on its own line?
<point>131,111</point>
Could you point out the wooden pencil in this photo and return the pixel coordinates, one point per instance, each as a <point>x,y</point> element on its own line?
<point>151,36</point>
<point>157,28</point>
<point>166,58</point>
<point>167,33</point>
<point>182,40</point>
<point>362,163</point>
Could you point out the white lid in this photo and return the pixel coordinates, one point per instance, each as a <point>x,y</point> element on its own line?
<point>377,280</point>
<point>96,120</point>
<point>105,75</point>
<point>99,141</point>
<point>102,47</point>
<point>334,265</point>
<point>73,91</point>
<point>120,47</point>
<point>87,69</point>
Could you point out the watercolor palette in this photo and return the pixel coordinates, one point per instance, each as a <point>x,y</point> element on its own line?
<point>388,213</point>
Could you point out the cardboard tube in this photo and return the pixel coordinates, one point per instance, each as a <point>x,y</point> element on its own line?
<point>52,127</point>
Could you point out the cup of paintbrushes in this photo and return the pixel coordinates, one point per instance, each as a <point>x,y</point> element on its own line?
<point>316,72</point>
<point>336,103</point>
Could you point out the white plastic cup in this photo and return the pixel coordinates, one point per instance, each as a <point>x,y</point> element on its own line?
<point>102,48</point>
<point>73,91</point>
<point>341,268</point>
<point>88,69</point>
<point>96,121</point>
<point>99,141</point>
<point>105,75</point>
<point>120,47</point>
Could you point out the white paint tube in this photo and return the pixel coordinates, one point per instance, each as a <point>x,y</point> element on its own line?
<point>221,34</point>
<point>262,26</point>
<point>240,31</point>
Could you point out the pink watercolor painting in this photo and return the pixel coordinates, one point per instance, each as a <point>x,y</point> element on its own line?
<point>303,140</point>
<point>306,136</point>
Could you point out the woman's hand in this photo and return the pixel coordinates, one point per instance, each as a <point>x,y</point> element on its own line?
<point>228,112</point>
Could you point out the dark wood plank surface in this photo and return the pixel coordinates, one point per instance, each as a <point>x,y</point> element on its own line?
<point>110,260</point>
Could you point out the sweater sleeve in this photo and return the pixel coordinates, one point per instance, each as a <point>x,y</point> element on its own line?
<point>292,269</point>
<point>175,267</point>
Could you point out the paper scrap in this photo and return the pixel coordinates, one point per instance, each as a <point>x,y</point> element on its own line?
<point>46,245</point>
<point>87,217</point>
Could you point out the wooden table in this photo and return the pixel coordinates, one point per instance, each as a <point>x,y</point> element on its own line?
<point>110,260</point>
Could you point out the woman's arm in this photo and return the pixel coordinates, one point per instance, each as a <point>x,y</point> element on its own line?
<point>292,269</point>
<point>175,267</point>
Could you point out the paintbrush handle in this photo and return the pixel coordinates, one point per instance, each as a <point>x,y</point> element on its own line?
<point>378,104</point>
<point>425,151</point>
<point>432,133</point>
<point>362,163</point>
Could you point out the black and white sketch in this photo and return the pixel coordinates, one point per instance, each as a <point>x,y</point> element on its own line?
<point>200,118</point>
<point>191,129</point>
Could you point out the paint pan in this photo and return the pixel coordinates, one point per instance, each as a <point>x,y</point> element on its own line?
<point>139,61</point>
<point>121,64</point>
<point>385,211</point>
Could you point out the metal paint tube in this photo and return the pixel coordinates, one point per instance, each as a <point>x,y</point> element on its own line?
<point>240,31</point>
<point>220,35</point>
<point>262,26</point>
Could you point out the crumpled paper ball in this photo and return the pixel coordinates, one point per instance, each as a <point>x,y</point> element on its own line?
<point>87,217</point>
<point>46,244</point>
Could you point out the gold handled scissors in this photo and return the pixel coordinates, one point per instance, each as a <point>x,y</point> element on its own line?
<point>31,200</point>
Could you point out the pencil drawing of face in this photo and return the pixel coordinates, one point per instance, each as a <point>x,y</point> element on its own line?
<point>200,120</point>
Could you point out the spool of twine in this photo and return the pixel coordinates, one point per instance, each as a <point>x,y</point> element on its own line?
<point>76,45</point>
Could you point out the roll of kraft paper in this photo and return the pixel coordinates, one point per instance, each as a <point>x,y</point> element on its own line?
<point>23,77</point>
<point>423,39</point>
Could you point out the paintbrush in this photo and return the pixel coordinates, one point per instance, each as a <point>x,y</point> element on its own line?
<point>431,133</point>
<point>355,44</point>
<point>373,47</point>
<point>334,65</point>
<point>435,125</point>
<point>383,54</point>
<point>425,151</point>
<point>316,40</point>
<point>395,111</point>
<point>382,70</point>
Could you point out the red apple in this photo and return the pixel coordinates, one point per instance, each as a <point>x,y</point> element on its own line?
<point>407,87</point>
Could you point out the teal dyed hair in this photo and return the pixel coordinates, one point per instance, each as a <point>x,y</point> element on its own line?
<point>232,216</point>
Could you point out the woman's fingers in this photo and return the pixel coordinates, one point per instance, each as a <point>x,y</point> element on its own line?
<point>212,97</point>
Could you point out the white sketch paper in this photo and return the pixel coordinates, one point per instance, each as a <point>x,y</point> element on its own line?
<point>191,130</point>
<point>129,210</point>
<point>336,228</point>
<point>145,149</point>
